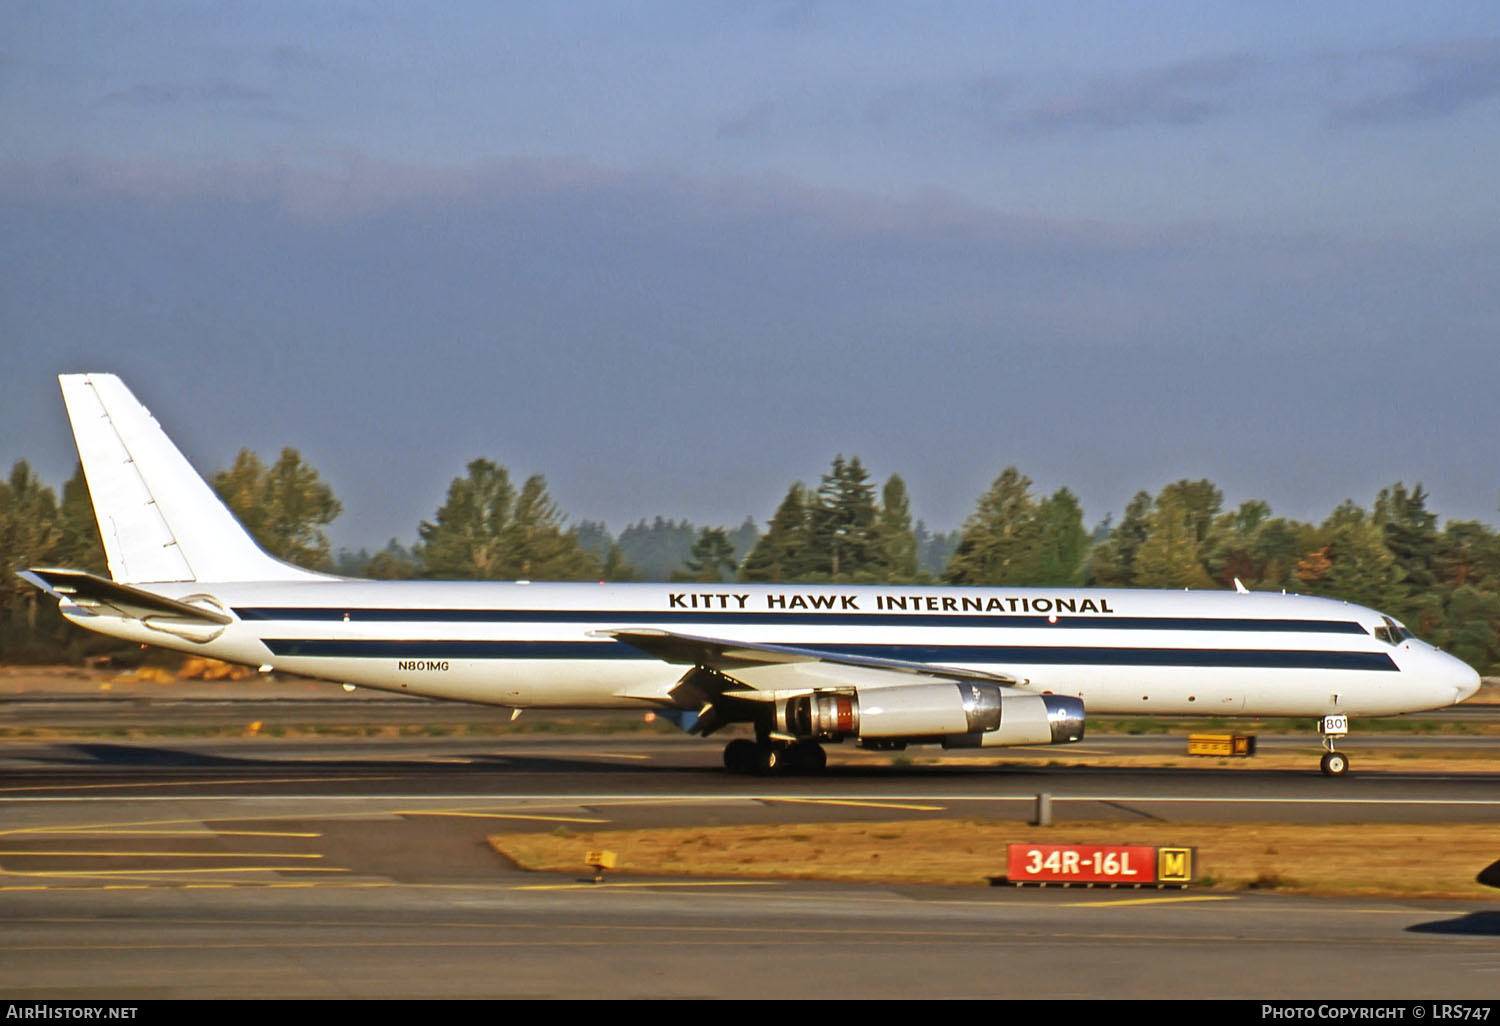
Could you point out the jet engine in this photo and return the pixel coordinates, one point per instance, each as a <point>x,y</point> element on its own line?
<point>971,714</point>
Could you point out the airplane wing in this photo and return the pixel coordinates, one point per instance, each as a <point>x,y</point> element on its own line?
<point>757,667</point>
<point>729,677</point>
<point>91,592</point>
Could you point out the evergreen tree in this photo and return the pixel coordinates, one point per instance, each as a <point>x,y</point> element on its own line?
<point>713,556</point>
<point>594,538</point>
<point>242,487</point>
<point>1227,551</point>
<point>395,562</point>
<point>782,553</point>
<point>1112,562</point>
<point>284,506</point>
<point>1468,554</point>
<point>1353,563</point>
<point>1102,530</point>
<point>615,568</point>
<point>893,529</point>
<point>466,540</point>
<point>29,536</point>
<point>1001,542</point>
<point>487,530</point>
<point>1472,628</point>
<point>934,551</point>
<point>78,544</point>
<point>743,539</point>
<point>1199,502</point>
<point>1168,558</point>
<point>845,545</point>
<point>1262,551</point>
<point>658,549</point>
<point>1277,546</point>
<point>1410,532</point>
<point>538,547</point>
<point>1064,542</point>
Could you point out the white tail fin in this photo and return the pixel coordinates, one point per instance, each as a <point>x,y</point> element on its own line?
<point>160,521</point>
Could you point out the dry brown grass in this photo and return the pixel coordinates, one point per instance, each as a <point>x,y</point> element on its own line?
<point>1407,860</point>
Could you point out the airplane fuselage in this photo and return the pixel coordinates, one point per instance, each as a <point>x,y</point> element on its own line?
<point>539,644</point>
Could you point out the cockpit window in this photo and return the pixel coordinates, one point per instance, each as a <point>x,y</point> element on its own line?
<point>1391,632</point>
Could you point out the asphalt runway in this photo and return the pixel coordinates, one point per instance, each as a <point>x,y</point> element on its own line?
<point>327,706</point>
<point>377,937</point>
<point>682,771</point>
<point>264,867</point>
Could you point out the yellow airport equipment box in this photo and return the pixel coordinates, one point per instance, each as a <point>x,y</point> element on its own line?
<point>599,860</point>
<point>1223,745</point>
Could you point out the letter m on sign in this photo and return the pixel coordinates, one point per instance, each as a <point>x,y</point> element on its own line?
<point>1174,865</point>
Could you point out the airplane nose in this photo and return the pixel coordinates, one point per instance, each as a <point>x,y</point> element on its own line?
<point>1465,679</point>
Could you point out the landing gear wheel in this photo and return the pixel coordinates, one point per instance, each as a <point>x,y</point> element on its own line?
<point>1334,764</point>
<point>807,757</point>
<point>770,759</point>
<point>739,756</point>
<point>816,760</point>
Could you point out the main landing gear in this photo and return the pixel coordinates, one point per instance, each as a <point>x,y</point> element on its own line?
<point>1333,764</point>
<point>778,758</point>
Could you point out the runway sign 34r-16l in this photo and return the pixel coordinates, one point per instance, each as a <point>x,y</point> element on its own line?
<point>1111,865</point>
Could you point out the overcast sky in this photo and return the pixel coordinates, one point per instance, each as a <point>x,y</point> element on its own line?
<point>677,255</point>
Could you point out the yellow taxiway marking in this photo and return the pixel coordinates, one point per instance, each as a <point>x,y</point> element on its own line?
<point>165,879</point>
<point>216,781</point>
<point>137,824</point>
<point>127,831</point>
<point>583,886</point>
<point>167,854</point>
<point>141,827</point>
<point>107,874</point>
<point>501,815</point>
<point>1150,901</point>
<point>512,753</point>
<point>856,803</point>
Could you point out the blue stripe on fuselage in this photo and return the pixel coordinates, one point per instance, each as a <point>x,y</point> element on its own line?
<point>300,614</point>
<point>941,654</point>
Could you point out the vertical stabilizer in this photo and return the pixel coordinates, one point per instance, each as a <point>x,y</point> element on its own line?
<point>160,521</point>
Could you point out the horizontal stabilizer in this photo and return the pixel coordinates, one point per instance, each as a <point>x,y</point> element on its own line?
<point>90,592</point>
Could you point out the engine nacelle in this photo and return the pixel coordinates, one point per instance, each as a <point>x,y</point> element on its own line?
<point>1029,720</point>
<point>908,711</point>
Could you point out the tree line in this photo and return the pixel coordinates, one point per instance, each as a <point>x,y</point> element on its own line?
<point>1444,582</point>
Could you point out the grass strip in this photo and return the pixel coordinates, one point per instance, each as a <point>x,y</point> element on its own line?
<point>1385,859</point>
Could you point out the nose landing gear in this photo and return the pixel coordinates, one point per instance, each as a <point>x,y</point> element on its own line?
<point>1333,764</point>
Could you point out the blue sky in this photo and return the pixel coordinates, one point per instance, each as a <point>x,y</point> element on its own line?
<point>675,256</point>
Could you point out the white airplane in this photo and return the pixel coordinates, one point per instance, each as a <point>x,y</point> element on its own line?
<point>885,666</point>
